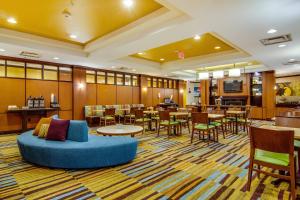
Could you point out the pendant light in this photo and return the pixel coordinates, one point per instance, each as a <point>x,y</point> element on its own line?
<point>218,74</point>
<point>235,72</point>
<point>204,76</point>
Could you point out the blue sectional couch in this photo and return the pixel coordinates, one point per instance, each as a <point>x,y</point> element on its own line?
<point>94,152</point>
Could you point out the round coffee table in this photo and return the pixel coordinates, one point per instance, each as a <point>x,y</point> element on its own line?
<point>119,130</point>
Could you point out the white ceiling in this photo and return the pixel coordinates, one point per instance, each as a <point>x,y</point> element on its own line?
<point>240,22</point>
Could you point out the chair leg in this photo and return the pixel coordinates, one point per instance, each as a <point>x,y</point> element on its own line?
<point>223,130</point>
<point>258,173</point>
<point>250,170</point>
<point>168,131</point>
<point>192,135</point>
<point>158,131</point>
<point>298,152</point>
<point>188,126</point>
<point>293,181</point>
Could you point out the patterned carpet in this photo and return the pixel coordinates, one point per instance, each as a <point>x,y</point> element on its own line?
<point>164,169</point>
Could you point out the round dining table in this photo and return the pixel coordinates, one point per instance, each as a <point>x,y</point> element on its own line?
<point>120,130</point>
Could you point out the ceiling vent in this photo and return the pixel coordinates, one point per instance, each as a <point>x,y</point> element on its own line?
<point>276,40</point>
<point>28,54</point>
<point>295,62</point>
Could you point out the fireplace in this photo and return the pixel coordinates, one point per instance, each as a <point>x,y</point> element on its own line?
<point>234,101</point>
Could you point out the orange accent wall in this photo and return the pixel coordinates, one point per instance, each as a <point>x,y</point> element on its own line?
<point>79,97</point>
<point>106,94</point>
<point>124,95</point>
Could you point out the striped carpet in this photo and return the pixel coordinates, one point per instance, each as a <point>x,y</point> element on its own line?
<point>164,169</point>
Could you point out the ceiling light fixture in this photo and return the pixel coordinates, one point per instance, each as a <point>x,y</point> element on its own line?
<point>56,58</point>
<point>197,37</point>
<point>203,76</point>
<point>271,31</point>
<point>11,20</point>
<point>2,50</point>
<point>292,60</point>
<point>73,36</point>
<point>128,3</point>
<point>218,74</point>
<point>217,47</point>
<point>282,45</point>
<point>162,59</point>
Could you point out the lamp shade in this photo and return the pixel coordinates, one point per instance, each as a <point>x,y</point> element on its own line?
<point>203,76</point>
<point>218,74</point>
<point>234,72</point>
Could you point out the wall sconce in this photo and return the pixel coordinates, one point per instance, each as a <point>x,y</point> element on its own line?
<point>145,89</point>
<point>181,91</point>
<point>158,95</point>
<point>80,86</point>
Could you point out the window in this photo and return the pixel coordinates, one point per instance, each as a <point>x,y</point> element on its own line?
<point>127,80</point>
<point>170,84</point>
<point>2,68</point>
<point>165,83</point>
<point>110,78</point>
<point>90,76</point>
<point>154,82</point>
<point>50,72</point>
<point>15,69</point>
<point>33,71</point>
<point>149,82</point>
<point>160,83</point>
<point>135,81</point>
<point>174,84</point>
<point>65,73</point>
<point>120,79</point>
<point>101,77</point>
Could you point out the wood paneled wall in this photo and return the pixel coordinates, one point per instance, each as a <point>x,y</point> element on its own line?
<point>268,98</point>
<point>79,93</point>
<point>246,83</point>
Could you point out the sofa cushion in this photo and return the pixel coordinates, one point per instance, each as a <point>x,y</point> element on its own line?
<point>78,131</point>
<point>38,126</point>
<point>58,130</point>
<point>43,130</point>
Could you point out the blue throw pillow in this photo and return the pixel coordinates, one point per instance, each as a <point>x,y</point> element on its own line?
<point>78,131</point>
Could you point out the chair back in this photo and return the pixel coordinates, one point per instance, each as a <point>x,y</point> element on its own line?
<point>132,110</point>
<point>139,114</point>
<point>109,112</point>
<point>235,108</point>
<point>164,115</point>
<point>272,140</point>
<point>220,112</point>
<point>293,122</point>
<point>199,118</point>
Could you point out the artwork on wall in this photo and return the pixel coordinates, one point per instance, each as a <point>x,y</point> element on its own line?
<point>288,88</point>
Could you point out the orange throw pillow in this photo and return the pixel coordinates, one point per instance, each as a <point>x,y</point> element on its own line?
<point>38,126</point>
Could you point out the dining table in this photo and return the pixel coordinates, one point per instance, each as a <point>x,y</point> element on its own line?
<point>236,114</point>
<point>150,114</point>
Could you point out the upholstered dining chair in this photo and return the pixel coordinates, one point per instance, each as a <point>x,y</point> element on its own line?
<point>140,119</point>
<point>166,122</point>
<point>245,121</point>
<point>200,123</point>
<point>129,118</point>
<point>108,116</point>
<point>273,149</point>
<point>293,122</point>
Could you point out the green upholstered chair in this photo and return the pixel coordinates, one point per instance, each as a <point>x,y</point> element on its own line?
<point>200,123</point>
<point>108,117</point>
<point>129,118</point>
<point>140,119</point>
<point>272,149</point>
<point>166,122</point>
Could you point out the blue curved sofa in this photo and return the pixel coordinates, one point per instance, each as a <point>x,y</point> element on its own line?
<point>98,151</point>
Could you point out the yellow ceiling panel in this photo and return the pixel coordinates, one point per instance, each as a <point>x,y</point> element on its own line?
<point>207,44</point>
<point>90,19</point>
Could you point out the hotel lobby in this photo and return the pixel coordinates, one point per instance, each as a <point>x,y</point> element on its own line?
<point>150,99</point>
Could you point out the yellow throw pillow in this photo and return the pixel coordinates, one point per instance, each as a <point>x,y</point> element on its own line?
<point>43,130</point>
<point>38,126</point>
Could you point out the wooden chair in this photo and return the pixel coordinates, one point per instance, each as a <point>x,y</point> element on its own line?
<point>141,119</point>
<point>131,116</point>
<point>293,122</point>
<point>108,116</point>
<point>184,121</point>
<point>272,149</point>
<point>165,121</point>
<point>201,124</point>
<point>245,120</point>
<point>224,123</point>
<point>172,109</point>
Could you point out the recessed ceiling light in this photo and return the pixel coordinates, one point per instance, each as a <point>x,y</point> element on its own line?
<point>128,3</point>
<point>281,45</point>
<point>73,36</point>
<point>56,58</point>
<point>2,50</point>
<point>141,53</point>
<point>271,31</point>
<point>197,37</point>
<point>11,20</point>
<point>217,47</point>
<point>292,60</point>
<point>162,59</point>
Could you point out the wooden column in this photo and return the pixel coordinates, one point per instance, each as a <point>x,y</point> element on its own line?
<point>79,92</point>
<point>204,92</point>
<point>268,94</point>
<point>182,89</point>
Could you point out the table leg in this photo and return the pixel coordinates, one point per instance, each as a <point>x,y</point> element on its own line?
<point>236,124</point>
